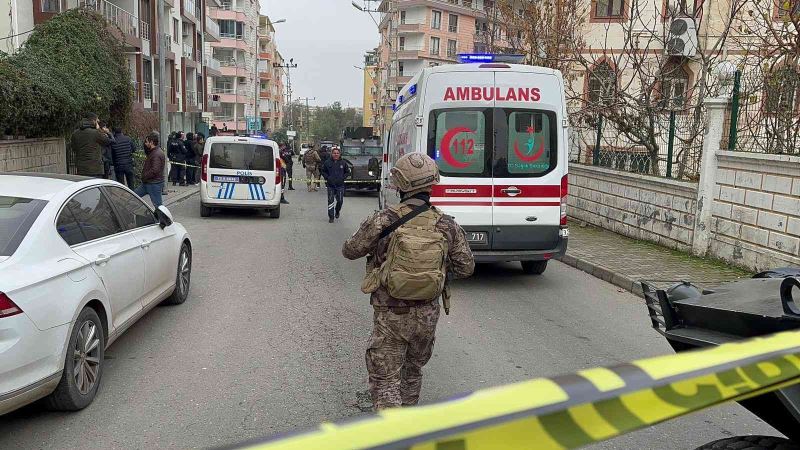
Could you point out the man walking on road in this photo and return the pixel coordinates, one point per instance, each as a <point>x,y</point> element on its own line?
<point>335,171</point>
<point>312,161</point>
<point>407,306</point>
<point>122,150</point>
<point>153,170</point>
<point>87,145</point>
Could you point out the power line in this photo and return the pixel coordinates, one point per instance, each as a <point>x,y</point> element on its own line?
<point>18,34</point>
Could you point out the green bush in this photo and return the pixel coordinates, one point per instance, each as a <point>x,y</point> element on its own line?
<point>71,65</point>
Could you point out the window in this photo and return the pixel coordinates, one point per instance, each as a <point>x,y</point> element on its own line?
<point>452,48</point>
<point>402,17</point>
<point>602,84</point>
<point>132,211</point>
<point>436,20</point>
<point>175,27</point>
<point>460,141</point>
<point>674,86</point>
<point>16,218</point>
<point>681,8</point>
<point>242,157</point>
<point>86,217</point>
<point>531,144</point>
<point>51,6</point>
<point>781,90</point>
<point>608,9</point>
<point>401,43</point>
<point>435,46</point>
<point>400,67</point>
<point>453,26</point>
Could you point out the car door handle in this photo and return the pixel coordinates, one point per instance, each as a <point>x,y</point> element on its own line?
<point>145,244</point>
<point>101,260</point>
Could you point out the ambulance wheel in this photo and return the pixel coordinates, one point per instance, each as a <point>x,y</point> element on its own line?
<point>275,213</point>
<point>205,211</point>
<point>751,443</point>
<point>534,267</point>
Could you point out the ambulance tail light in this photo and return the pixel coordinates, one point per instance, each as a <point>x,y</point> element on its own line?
<point>7,307</point>
<point>277,172</point>
<point>204,168</point>
<point>564,191</point>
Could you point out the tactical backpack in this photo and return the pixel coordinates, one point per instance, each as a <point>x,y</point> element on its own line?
<point>415,266</point>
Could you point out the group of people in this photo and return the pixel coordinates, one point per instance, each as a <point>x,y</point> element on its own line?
<point>184,151</point>
<point>328,164</point>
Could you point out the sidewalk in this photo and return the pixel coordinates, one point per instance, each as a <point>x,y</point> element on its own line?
<point>624,262</point>
<point>176,194</point>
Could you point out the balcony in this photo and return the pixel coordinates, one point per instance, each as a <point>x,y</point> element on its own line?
<point>144,30</point>
<point>410,53</point>
<point>212,30</point>
<point>410,28</point>
<point>399,80</point>
<point>127,22</point>
<point>189,8</point>
<point>188,51</point>
<point>213,66</point>
<point>147,90</point>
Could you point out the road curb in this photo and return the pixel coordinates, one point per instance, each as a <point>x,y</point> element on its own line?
<point>603,273</point>
<point>176,197</point>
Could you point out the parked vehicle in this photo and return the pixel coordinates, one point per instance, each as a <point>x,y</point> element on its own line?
<point>499,133</point>
<point>363,152</point>
<point>81,260</point>
<point>240,172</point>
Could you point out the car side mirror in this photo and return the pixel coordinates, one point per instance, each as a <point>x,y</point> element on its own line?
<point>164,216</point>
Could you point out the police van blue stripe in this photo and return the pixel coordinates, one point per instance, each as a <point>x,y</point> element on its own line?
<point>263,195</point>
<point>252,195</point>
<point>221,187</point>
<point>232,189</point>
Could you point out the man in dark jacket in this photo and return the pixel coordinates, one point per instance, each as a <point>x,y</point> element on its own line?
<point>335,171</point>
<point>286,156</point>
<point>176,150</point>
<point>122,151</point>
<point>195,159</point>
<point>87,145</point>
<point>153,170</point>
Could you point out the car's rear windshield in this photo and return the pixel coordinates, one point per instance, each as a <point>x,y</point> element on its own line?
<point>16,217</point>
<point>241,156</point>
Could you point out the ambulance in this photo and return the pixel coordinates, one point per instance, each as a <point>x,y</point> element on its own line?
<point>240,172</point>
<point>498,132</point>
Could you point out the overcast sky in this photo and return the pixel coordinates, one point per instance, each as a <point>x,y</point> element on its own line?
<point>326,38</point>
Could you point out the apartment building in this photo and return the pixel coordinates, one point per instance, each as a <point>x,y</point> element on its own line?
<point>189,29</point>
<point>371,86</point>
<point>271,99</point>
<point>422,33</point>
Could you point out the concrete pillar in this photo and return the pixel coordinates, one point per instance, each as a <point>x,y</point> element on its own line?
<point>708,174</point>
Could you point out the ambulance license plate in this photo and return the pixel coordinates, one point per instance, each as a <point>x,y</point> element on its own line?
<point>474,237</point>
<point>224,179</point>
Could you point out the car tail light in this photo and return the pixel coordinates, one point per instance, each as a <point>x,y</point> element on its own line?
<point>564,191</point>
<point>386,157</point>
<point>277,172</point>
<point>204,168</point>
<point>7,307</point>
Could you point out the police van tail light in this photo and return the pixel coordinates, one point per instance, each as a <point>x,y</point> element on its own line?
<point>204,168</point>
<point>277,171</point>
<point>7,307</point>
<point>564,185</point>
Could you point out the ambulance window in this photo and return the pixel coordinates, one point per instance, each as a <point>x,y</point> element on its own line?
<point>460,142</point>
<point>532,148</point>
<point>240,156</point>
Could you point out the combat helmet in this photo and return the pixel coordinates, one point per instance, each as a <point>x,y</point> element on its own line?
<point>414,172</point>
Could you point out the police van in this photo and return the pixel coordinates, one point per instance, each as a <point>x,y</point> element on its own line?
<point>498,133</point>
<point>240,172</point>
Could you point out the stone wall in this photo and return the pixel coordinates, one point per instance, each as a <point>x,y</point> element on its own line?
<point>639,206</point>
<point>33,155</point>
<point>756,210</point>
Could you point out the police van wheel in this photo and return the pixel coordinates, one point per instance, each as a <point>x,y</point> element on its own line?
<point>534,267</point>
<point>275,213</point>
<point>205,211</point>
<point>751,443</point>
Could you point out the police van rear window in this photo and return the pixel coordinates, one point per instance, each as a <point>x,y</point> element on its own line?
<point>460,142</point>
<point>241,156</point>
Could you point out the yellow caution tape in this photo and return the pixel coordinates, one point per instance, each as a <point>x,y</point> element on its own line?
<point>573,410</point>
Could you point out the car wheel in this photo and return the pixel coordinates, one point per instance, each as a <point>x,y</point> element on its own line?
<point>205,211</point>
<point>275,213</point>
<point>183,278</point>
<point>534,267</point>
<point>83,366</point>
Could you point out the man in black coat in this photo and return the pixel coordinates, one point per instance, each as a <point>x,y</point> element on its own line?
<point>122,150</point>
<point>176,152</point>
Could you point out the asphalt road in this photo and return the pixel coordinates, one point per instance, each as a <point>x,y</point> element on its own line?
<point>272,340</point>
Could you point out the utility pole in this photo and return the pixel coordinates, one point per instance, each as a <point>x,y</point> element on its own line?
<point>162,75</point>
<point>289,66</point>
<point>308,116</point>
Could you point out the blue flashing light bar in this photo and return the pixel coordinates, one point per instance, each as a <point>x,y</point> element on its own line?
<point>466,58</point>
<point>412,90</point>
<point>400,99</point>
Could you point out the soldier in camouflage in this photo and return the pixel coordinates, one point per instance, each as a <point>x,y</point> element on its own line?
<point>404,331</point>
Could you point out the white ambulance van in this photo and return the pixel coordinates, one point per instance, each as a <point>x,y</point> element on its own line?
<point>240,172</point>
<point>498,133</point>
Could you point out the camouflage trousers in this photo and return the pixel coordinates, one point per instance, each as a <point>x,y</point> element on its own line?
<point>400,345</point>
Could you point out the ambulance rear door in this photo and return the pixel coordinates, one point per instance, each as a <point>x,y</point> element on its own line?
<point>459,137</point>
<point>527,162</point>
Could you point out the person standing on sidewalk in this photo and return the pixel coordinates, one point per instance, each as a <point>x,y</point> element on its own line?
<point>335,171</point>
<point>312,161</point>
<point>199,143</point>
<point>177,154</point>
<point>108,159</point>
<point>122,150</point>
<point>286,156</point>
<point>153,170</point>
<point>87,144</point>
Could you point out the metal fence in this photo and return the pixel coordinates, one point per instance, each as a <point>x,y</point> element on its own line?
<point>671,148</point>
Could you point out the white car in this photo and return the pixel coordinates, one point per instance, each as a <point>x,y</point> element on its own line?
<point>81,260</point>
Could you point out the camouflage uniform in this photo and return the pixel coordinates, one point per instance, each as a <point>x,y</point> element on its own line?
<point>403,332</point>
